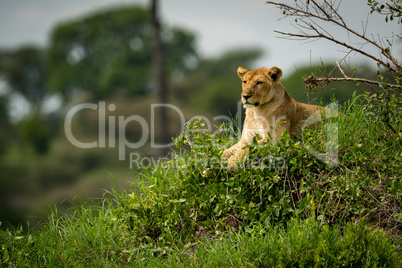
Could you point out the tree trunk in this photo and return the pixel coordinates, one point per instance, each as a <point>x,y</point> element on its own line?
<point>160,75</point>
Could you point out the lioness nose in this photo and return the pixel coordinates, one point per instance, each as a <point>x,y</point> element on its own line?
<point>246,97</point>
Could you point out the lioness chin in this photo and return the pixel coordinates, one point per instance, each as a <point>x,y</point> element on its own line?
<point>269,111</point>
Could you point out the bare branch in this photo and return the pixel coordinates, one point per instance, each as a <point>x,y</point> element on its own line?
<point>315,80</point>
<point>327,12</point>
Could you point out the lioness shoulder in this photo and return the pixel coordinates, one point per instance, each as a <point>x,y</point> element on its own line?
<point>269,110</point>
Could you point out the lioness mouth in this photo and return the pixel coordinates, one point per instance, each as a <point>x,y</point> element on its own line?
<point>255,104</point>
<point>251,104</point>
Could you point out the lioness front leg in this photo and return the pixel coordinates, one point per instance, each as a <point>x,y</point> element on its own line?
<point>238,155</point>
<point>237,152</point>
<point>232,150</point>
<point>229,153</point>
<point>234,154</point>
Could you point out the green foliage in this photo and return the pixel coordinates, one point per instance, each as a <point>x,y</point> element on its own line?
<point>302,244</point>
<point>218,96</point>
<point>23,69</point>
<point>228,62</point>
<point>194,194</point>
<point>282,207</point>
<point>213,84</point>
<point>93,237</point>
<point>386,106</point>
<point>111,50</point>
<point>5,130</point>
<point>87,237</point>
<point>391,9</point>
<point>36,131</point>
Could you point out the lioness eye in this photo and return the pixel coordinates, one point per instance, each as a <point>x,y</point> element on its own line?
<point>244,82</point>
<point>259,82</point>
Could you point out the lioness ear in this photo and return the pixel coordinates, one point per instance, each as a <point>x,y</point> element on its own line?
<point>275,73</point>
<point>241,72</point>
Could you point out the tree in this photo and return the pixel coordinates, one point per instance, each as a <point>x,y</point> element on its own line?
<point>160,74</point>
<point>309,16</point>
<point>213,84</point>
<point>23,70</point>
<point>111,50</point>
<point>5,130</point>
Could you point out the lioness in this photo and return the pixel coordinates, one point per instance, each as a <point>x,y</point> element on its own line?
<point>269,110</point>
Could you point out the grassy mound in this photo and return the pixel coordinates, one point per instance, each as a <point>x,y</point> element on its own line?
<point>194,194</point>
<point>283,206</point>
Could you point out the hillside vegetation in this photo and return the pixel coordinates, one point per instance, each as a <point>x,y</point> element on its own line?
<point>283,207</point>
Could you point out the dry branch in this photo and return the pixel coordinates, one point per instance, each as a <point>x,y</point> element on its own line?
<point>306,12</point>
<point>312,81</point>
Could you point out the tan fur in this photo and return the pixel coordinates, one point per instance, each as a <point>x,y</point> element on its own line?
<point>269,110</point>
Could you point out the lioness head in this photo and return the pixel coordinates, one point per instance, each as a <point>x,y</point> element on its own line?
<point>258,85</point>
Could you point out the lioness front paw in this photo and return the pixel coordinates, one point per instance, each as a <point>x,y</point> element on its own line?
<point>227,153</point>
<point>232,168</point>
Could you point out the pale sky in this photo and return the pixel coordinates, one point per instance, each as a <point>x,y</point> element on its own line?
<point>219,25</point>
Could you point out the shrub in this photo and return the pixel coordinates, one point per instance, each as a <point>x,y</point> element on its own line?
<point>193,194</point>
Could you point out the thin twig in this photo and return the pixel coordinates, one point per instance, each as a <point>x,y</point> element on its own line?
<point>335,18</point>
<point>340,69</point>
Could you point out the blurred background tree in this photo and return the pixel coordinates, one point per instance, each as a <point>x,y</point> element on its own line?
<point>111,51</point>
<point>5,130</point>
<point>23,70</point>
<point>214,85</point>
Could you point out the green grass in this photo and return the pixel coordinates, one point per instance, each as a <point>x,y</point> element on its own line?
<point>301,213</point>
<point>92,238</point>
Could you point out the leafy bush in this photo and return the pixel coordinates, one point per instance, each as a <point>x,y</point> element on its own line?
<point>193,195</point>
